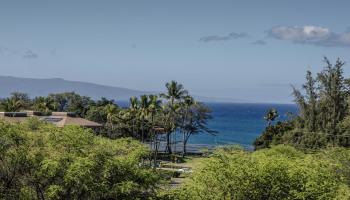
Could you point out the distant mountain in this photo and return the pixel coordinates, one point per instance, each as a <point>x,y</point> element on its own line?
<point>42,87</point>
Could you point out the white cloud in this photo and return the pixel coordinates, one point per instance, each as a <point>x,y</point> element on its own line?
<point>310,35</point>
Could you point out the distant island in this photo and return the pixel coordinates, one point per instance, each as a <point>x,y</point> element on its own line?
<point>42,87</point>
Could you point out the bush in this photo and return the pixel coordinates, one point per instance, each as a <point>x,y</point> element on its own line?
<point>70,163</point>
<point>281,172</point>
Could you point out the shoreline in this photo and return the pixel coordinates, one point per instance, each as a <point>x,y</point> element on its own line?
<point>201,148</point>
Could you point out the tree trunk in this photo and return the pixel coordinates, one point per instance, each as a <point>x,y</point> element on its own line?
<point>174,142</point>
<point>183,144</point>
<point>184,134</point>
<point>142,134</point>
<point>155,150</point>
<point>168,146</point>
<point>133,127</point>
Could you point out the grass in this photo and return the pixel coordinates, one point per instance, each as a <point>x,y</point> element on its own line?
<point>191,162</point>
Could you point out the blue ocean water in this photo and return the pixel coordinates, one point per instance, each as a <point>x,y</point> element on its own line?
<point>238,123</point>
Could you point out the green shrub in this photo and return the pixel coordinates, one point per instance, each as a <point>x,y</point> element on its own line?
<point>281,172</point>
<point>70,163</point>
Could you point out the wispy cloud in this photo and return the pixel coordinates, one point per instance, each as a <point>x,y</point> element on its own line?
<point>22,53</point>
<point>29,54</point>
<point>259,42</point>
<point>287,85</point>
<point>7,51</point>
<point>218,38</point>
<point>315,35</point>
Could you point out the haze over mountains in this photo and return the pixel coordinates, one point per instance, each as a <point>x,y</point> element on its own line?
<point>42,87</point>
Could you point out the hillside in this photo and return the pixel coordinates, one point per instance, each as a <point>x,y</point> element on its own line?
<point>42,87</point>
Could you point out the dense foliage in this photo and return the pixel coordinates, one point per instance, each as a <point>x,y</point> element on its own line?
<point>172,112</point>
<point>277,173</point>
<point>324,117</point>
<point>39,161</point>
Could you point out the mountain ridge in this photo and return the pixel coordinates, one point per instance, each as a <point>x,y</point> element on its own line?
<point>41,87</point>
<point>44,86</point>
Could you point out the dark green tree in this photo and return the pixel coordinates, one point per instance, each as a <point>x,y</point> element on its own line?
<point>194,121</point>
<point>44,104</point>
<point>270,116</point>
<point>16,102</point>
<point>174,94</point>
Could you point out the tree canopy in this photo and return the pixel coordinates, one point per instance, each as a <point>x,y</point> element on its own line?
<point>70,163</point>
<point>278,173</point>
<point>323,116</point>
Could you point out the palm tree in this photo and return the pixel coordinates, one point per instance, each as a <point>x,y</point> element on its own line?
<point>134,108</point>
<point>111,110</point>
<point>175,92</point>
<point>23,97</point>
<point>12,105</point>
<point>44,104</point>
<point>143,113</point>
<point>154,107</point>
<point>186,105</point>
<point>270,116</point>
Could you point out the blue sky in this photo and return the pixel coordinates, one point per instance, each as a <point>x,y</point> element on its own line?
<point>246,50</point>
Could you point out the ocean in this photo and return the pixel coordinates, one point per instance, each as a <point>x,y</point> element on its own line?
<point>238,123</point>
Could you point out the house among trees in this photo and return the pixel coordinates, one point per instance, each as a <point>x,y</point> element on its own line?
<point>59,119</point>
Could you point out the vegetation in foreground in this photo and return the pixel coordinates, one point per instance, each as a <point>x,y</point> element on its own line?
<point>281,172</point>
<point>39,161</point>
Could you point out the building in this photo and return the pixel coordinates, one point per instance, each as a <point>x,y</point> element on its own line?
<point>59,119</point>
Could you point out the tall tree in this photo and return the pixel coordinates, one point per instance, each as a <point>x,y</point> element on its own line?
<point>175,92</point>
<point>323,105</point>
<point>60,100</point>
<point>332,94</point>
<point>143,114</point>
<point>111,110</point>
<point>195,121</point>
<point>134,106</point>
<point>154,108</point>
<point>77,103</point>
<point>43,104</point>
<point>185,111</point>
<point>310,110</point>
